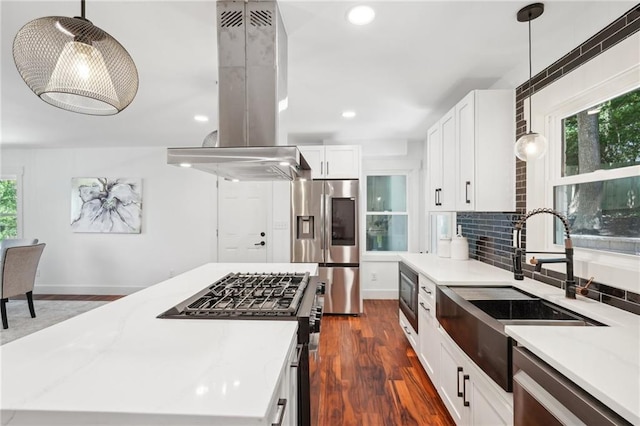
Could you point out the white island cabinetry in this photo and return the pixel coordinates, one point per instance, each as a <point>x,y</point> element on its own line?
<point>121,365</point>
<point>285,405</point>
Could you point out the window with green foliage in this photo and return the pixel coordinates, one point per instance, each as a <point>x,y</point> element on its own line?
<point>387,214</point>
<point>603,137</point>
<point>599,188</point>
<point>8,209</point>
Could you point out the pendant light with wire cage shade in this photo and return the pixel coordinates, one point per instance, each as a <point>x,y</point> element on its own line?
<point>530,146</point>
<point>74,65</point>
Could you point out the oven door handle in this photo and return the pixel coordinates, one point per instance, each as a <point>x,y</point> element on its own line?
<point>408,279</point>
<point>296,363</point>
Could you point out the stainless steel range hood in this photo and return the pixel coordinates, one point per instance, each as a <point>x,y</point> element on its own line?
<point>252,99</point>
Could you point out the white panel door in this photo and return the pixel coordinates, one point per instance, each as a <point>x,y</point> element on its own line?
<point>244,215</point>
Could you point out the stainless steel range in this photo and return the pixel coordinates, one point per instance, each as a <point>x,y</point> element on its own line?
<point>268,296</point>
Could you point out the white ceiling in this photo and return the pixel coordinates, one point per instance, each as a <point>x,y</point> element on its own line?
<point>399,73</point>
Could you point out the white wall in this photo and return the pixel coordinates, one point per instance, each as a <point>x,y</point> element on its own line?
<point>178,224</point>
<point>379,271</point>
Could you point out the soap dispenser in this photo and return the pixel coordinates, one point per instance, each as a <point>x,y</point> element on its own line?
<point>459,246</point>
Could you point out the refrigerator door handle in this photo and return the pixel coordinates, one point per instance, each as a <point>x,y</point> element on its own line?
<point>326,220</point>
<point>322,225</point>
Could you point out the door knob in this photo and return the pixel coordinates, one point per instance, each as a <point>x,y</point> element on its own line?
<point>261,243</point>
<point>262,234</point>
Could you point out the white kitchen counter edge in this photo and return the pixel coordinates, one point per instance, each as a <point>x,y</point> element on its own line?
<point>603,361</point>
<point>150,366</point>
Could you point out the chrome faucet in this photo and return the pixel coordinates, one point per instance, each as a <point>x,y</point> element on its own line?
<point>570,283</point>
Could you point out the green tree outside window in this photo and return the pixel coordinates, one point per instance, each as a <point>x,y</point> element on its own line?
<point>8,209</point>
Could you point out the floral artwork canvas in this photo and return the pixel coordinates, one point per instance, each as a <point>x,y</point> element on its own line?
<point>106,205</point>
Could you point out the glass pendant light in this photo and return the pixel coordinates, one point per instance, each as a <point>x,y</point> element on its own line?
<point>74,65</point>
<point>530,146</point>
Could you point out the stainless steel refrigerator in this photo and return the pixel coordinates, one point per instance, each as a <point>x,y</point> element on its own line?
<point>324,224</point>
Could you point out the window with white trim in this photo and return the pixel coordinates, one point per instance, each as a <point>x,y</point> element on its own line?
<point>599,184</point>
<point>387,215</point>
<point>8,207</point>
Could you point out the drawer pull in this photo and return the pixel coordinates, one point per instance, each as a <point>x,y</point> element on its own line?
<point>282,405</point>
<point>426,290</point>
<point>458,382</point>
<point>465,402</point>
<point>424,307</point>
<point>296,363</point>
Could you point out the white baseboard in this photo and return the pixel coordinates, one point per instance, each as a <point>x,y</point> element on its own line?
<point>91,290</point>
<point>380,294</point>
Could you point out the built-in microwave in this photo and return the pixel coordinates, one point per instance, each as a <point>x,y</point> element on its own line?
<point>408,294</point>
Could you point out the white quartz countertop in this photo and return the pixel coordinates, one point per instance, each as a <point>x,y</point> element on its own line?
<point>604,361</point>
<point>119,359</point>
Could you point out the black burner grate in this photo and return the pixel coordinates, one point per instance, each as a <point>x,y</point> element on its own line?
<point>246,295</point>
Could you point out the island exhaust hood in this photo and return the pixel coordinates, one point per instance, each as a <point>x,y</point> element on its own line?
<point>252,99</point>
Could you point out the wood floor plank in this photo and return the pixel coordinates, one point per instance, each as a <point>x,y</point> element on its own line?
<point>366,373</point>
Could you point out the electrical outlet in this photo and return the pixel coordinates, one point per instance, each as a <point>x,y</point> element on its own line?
<point>374,276</point>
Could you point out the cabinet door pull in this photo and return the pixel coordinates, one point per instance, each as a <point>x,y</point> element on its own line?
<point>466,192</point>
<point>327,168</point>
<point>465,402</point>
<point>424,307</point>
<point>282,405</point>
<point>458,382</point>
<point>321,164</point>
<point>296,363</point>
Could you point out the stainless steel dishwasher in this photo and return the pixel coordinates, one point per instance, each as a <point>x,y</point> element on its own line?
<point>542,396</point>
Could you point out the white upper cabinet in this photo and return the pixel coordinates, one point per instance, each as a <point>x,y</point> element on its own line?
<point>485,162</point>
<point>470,159</point>
<point>441,156</point>
<point>332,161</point>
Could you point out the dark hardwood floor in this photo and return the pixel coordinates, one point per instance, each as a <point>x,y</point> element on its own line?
<point>366,373</point>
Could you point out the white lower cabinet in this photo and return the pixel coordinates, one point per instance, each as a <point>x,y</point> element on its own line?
<point>284,411</point>
<point>411,334</point>
<point>429,338</point>
<point>470,397</point>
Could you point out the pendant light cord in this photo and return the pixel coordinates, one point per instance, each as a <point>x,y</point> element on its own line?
<point>530,88</point>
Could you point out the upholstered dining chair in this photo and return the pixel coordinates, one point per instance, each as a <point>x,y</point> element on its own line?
<point>18,275</point>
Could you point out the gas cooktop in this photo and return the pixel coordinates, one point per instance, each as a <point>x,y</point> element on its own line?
<point>245,295</point>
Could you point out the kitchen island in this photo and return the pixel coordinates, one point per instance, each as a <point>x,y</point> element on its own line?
<point>603,361</point>
<point>120,364</point>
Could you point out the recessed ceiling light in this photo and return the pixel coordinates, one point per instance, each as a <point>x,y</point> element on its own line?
<point>201,118</point>
<point>185,165</point>
<point>361,15</point>
<point>348,114</point>
<point>285,163</point>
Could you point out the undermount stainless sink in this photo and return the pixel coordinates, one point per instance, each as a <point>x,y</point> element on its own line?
<point>475,318</point>
<point>530,312</point>
<point>512,306</point>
